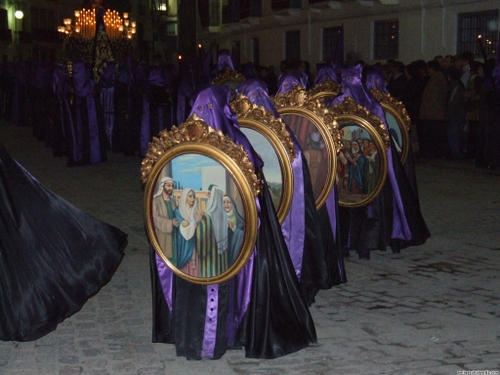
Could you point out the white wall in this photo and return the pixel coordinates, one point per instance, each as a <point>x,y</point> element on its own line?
<point>426,28</point>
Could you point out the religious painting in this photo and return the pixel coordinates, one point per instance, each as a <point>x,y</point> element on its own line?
<point>200,210</point>
<point>398,121</point>
<point>229,78</point>
<point>362,162</point>
<point>316,132</point>
<point>325,91</point>
<point>270,139</point>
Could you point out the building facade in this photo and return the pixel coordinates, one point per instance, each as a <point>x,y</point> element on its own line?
<point>268,31</point>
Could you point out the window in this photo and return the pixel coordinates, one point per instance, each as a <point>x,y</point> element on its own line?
<point>292,45</point>
<point>255,51</point>
<point>285,4</point>
<point>471,25</point>
<point>250,8</point>
<point>331,39</point>
<point>386,39</point>
<point>214,13</point>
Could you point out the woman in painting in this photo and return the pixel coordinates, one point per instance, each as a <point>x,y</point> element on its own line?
<point>262,307</point>
<point>188,217</point>
<point>393,218</point>
<point>235,228</point>
<point>371,167</point>
<point>213,259</point>
<point>355,167</point>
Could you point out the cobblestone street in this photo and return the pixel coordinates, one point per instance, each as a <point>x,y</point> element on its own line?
<point>433,309</point>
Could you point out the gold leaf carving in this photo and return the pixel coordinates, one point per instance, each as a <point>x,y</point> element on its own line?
<point>327,88</point>
<point>228,75</point>
<point>349,107</point>
<point>195,130</point>
<point>244,108</point>
<point>299,97</point>
<point>398,106</point>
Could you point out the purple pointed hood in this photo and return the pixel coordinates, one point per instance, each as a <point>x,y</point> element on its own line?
<point>288,80</point>
<point>256,91</point>
<point>376,78</point>
<point>212,105</point>
<point>328,70</point>
<point>224,60</point>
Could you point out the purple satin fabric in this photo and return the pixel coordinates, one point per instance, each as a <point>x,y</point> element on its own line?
<point>155,78</point>
<point>84,88</point>
<point>166,279</point>
<point>60,85</point>
<point>212,105</point>
<point>293,227</point>
<point>288,80</point>
<point>224,60</point>
<point>328,70</point>
<point>376,78</point>
<point>106,96</point>
<point>145,127</point>
<point>210,331</point>
<point>353,87</point>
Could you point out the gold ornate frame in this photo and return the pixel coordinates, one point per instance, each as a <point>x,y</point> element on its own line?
<point>297,102</point>
<point>325,90</point>
<point>194,138</point>
<point>228,77</point>
<point>349,113</point>
<point>397,110</point>
<point>258,119</point>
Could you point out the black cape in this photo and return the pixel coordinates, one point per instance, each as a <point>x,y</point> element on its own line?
<point>277,321</point>
<point>53,256</point>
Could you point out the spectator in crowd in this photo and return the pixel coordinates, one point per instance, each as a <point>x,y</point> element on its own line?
<point>472,97</point>
<point>433,113</point>
<point>456,115</point>
<point>398,84</point>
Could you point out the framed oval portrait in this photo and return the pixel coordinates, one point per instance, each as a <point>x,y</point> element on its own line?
<point>398,121</point>
<point>362,162</point>
<point>199,205</point>
<point>315,130</point>
<point>270,139</point>
<point>229,78</point>
<point>325,91</point>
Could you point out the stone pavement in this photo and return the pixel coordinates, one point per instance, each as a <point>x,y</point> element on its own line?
<point>433,309</point>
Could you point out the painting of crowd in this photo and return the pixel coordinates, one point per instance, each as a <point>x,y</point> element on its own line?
<point>358,165</point>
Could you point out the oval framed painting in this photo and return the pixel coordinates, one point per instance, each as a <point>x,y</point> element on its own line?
<point>362,162</point>
<point>317,133</point>
<point>199,204</point>
<point>398,121</point>
<point>324,91</point>
<point>229,78</point>
<point>270,139</point>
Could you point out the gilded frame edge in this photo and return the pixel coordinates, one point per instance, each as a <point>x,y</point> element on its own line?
<point>283,158</point>
<point>331,148</point>
<point>381,146</point>
<point>325,89</point>
<point>398,110</point>
<point>228,75</point>
<point>243,187</point>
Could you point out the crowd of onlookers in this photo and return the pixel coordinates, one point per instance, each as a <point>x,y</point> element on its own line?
<point>453,102</point>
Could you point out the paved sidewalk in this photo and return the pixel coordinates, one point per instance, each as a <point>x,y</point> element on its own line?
<point>433,309</point>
